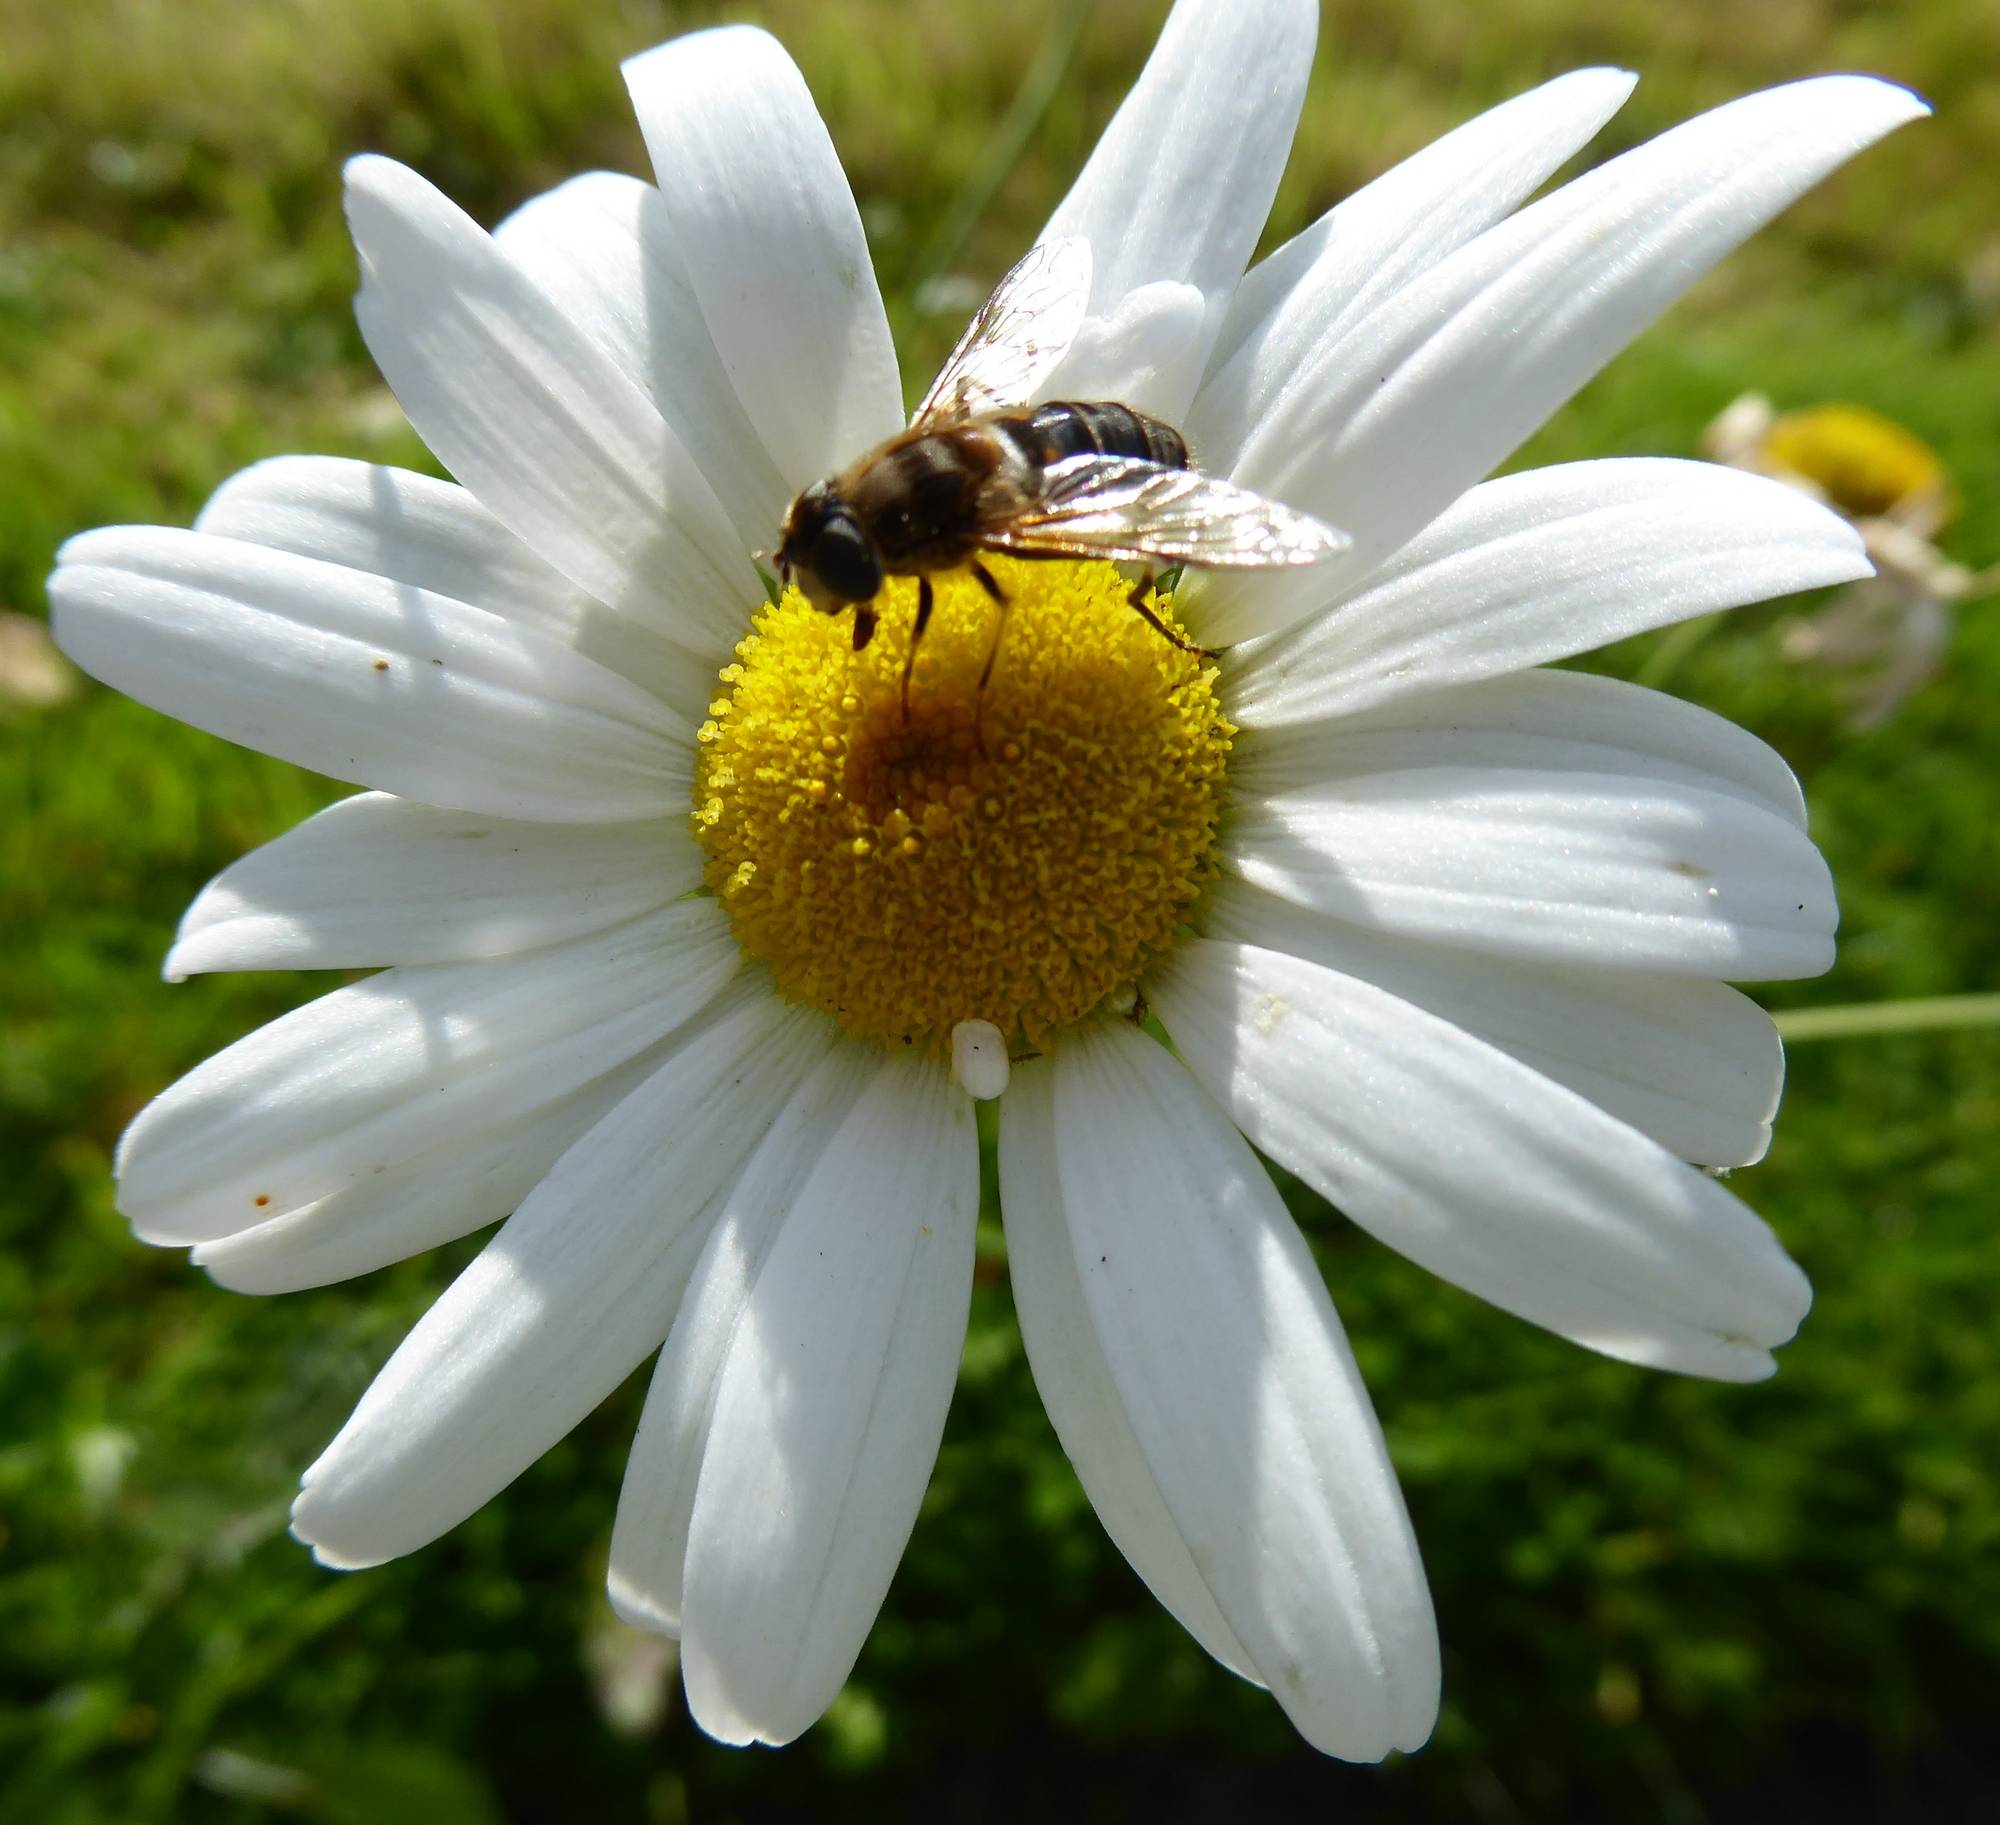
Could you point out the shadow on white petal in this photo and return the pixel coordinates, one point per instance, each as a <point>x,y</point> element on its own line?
<point>535,417</point>
<point>773,244</point>
<point>1492,1176</point>
<point>1217,1335</point>
<point>365,678</point>
<point>578,1287</point>
<point>377,880</point>
<point>603,246</point>
<point>1696,1065</point>
<point>1587,868</point>
<point>1536,567</point>
<point>1178,208</point>
<point>649,1538</point>
<point>1074,1380</point>
<point>462,1183</point>
<point>1384,428</point>
<point>434,535</point>
<point>829,1408</point>
<point>372,1074</point>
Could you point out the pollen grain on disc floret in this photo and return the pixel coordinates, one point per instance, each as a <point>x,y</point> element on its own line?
<point>1017,855</point>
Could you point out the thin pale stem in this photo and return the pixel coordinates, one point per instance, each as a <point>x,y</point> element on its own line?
<point>1866,1019</point>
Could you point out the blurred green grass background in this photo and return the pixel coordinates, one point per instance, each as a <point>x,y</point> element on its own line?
<point>1659,1599</point>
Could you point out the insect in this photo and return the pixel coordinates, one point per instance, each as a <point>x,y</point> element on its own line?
<point>981,470</point>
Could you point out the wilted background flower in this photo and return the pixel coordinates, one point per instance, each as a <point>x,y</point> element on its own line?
<point>1690,1600</point>
<point>1886,635</point>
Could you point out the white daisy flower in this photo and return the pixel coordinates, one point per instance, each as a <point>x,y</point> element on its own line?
<point>1453,952</point>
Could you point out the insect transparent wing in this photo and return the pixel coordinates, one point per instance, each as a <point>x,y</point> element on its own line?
<point>1112,507</point>
<point>1018,337</point>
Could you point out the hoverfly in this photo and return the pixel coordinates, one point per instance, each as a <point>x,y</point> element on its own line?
<point>979,469</point>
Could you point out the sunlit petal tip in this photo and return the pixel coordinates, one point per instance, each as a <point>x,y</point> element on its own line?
<point>80,547</point>
<point>154,1235</point>
<point>661,60</point>
<point>1876,97</point>
<point>372,181</point>
<point>722,1723</point>
<point>636,1609</point>
<point>203,1256</point>
<point>305,1529</point>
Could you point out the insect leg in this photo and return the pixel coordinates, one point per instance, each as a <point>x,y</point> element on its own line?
<point>1140,591</point>
<point>990,584</point>
<point>864,625</point>
<point>925,603</point>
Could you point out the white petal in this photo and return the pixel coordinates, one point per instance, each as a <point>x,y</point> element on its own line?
<point>574,1292</point>
<point>829,1411</point>
<point>1571,722</point>
<point>370,1074</point>
<point>464,1182</point>
<point>1179,186</point>
<point>1238,1386</point>
<point>763,217</point>
<point>1478,1168</point>
<point>393,523</point>
<point>1145,351</point>
<point>365,679</point>
<point>1695,1065</point>
<point>434,535</point>
<point>1390,423</point>
<point>520,404</point>
<point>376,880</point>
<point>1569,868</point>
<point>1074,1380</point>
<point>1381,238</point>
<point>1542,565</point>
<point>603,247</point>
<point>649,1541</point>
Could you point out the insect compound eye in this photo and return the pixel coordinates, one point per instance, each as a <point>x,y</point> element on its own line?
<point>844,561</point>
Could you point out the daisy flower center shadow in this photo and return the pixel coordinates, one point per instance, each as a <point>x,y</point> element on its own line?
<point>1018,859</point>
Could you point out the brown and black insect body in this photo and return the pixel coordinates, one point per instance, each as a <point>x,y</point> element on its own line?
<point>982,470</point>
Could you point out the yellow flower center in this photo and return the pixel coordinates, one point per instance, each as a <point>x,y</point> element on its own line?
<point>1013,855</point>
<point>1865,463</point>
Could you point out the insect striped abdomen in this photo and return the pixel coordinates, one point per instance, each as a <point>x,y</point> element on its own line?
<point>1064,428</point>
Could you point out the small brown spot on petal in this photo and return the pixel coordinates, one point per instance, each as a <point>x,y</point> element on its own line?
<point>261,1199</point>
<point>381,665</point>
